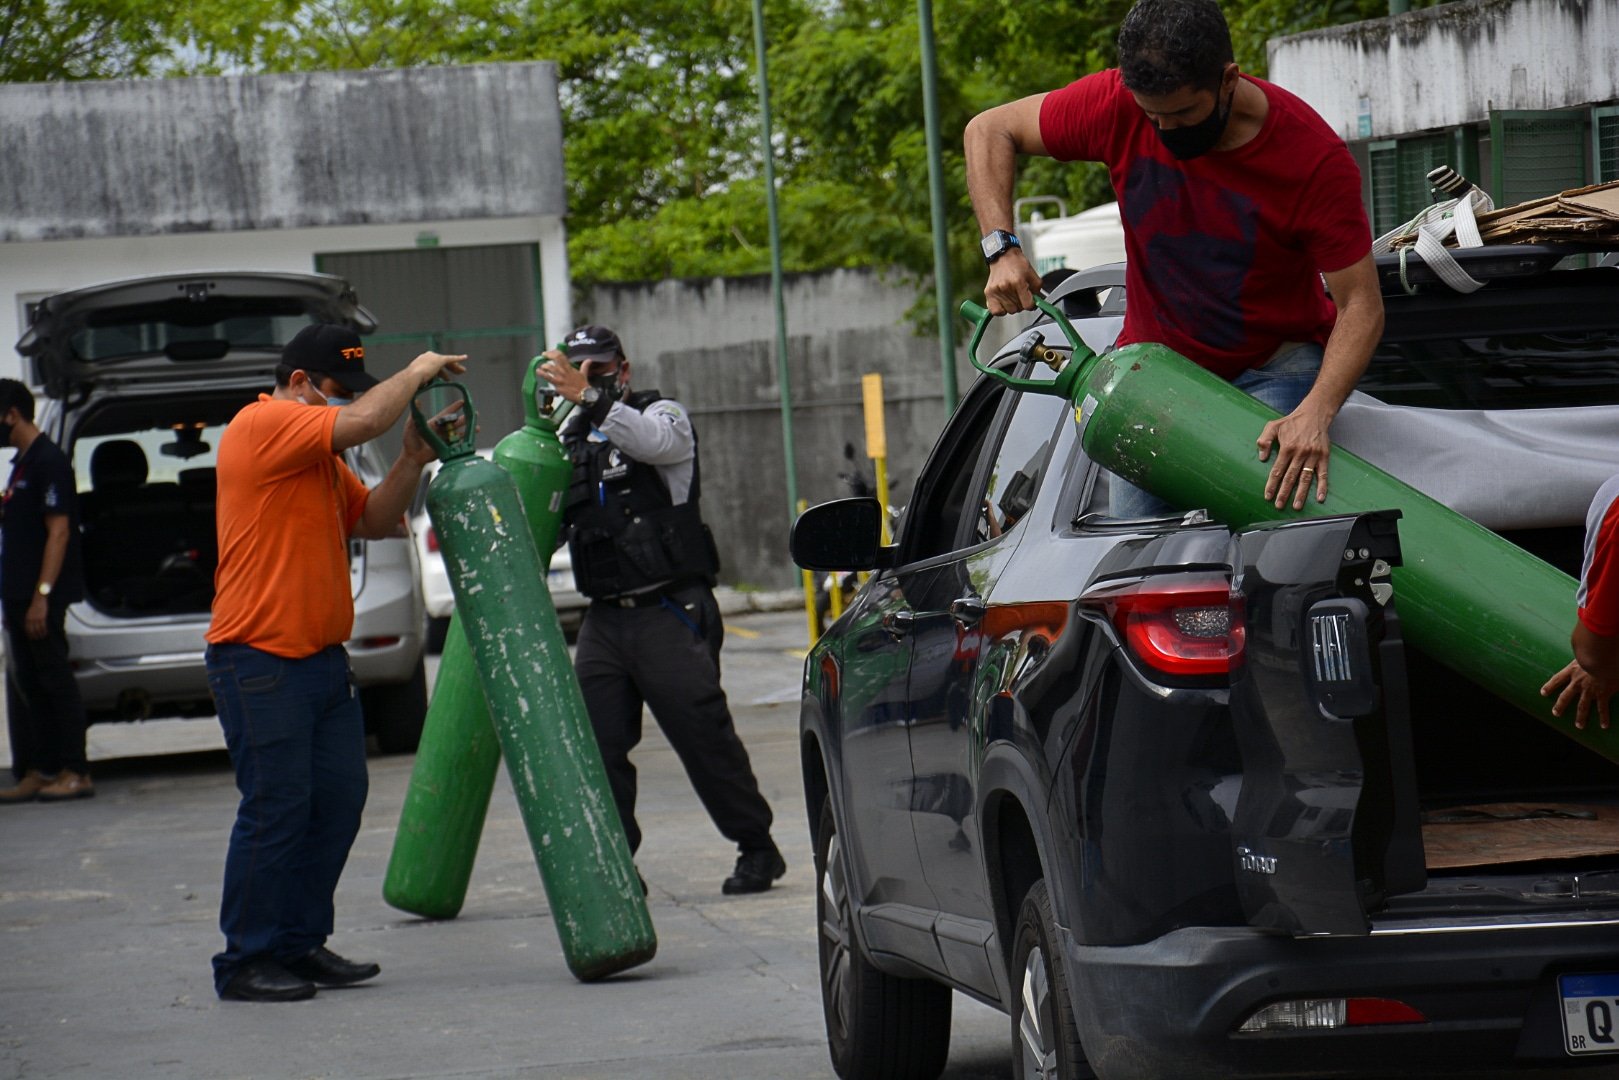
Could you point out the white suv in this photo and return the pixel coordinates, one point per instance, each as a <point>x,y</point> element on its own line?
<point>138,379</point>
<point>436,592</point>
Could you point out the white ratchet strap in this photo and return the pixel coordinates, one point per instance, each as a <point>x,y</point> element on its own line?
<point>1433,226</point>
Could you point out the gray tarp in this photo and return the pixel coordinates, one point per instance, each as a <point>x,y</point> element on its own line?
<point>1505,469</point>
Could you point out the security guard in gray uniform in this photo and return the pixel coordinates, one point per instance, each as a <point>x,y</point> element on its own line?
<point>652,633</point>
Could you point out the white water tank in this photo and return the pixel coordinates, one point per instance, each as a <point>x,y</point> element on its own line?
<point>1076,242</point>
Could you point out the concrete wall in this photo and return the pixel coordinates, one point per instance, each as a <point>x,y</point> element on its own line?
<point>152,157</point>
<point>1451,64</point>
<point>710,344</point>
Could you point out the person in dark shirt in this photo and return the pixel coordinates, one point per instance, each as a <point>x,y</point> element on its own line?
<point>41,573</point>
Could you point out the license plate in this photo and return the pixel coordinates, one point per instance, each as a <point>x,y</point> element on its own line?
<point>1590,1013</point>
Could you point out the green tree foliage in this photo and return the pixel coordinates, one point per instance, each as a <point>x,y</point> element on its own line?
<point>53,40</point>
<point>660,103</point>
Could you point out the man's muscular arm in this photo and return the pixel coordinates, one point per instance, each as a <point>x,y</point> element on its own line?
<point>993,141</point>
<point>1300,438</point>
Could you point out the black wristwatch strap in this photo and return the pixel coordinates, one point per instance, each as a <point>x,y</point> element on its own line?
<point>997,243</point>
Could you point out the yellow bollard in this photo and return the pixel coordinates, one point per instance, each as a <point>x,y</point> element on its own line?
<point>871,397</point>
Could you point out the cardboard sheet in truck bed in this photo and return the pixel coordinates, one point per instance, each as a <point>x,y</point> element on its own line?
<point>1491,834</point>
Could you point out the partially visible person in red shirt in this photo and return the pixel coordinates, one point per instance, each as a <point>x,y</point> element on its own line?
<point>1236,198</point>
<point>1592,677</point>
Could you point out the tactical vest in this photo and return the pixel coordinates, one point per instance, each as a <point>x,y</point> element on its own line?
<point>625,533</point>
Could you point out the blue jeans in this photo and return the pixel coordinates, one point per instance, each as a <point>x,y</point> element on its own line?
<point>1282,382</point>
<point>297,739</point>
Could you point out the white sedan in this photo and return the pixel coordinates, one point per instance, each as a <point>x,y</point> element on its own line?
<point>440,601</point>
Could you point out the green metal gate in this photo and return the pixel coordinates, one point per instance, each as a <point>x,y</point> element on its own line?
<point>483,301</point>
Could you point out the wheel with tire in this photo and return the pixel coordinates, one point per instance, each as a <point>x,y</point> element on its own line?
<point>878,1026</point>
<point>1045,1039</point>
<point>395,712</point>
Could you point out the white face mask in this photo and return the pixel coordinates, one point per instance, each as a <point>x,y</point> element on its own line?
<point>336,402</point>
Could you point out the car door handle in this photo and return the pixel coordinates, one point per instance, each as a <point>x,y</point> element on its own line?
<point>899,623</point>
<point>968,610</point>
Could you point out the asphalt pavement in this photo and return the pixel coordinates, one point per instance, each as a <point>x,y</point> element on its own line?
<point>109,908</point>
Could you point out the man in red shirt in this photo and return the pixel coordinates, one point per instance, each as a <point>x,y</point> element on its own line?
<point>1236,198</point>
<point>1592,677</point>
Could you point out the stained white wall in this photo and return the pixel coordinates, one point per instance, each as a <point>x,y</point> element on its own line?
<point>28,270</point>
<point>1448,65</point>
<point>140,157</point>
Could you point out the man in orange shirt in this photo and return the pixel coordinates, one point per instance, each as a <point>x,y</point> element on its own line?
<point>276,664</point>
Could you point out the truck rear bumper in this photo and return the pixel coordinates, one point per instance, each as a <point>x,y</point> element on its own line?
<point>1172,1007</point>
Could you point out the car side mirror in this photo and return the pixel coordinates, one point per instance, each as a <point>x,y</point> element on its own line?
<point>845,534</point>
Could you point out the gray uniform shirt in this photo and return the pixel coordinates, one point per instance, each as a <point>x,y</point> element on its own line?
<point>660,436</point>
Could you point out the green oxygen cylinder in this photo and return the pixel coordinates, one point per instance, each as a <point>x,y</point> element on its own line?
<point>1479,604</point>
<point>454,772</point>
<point>535,705</point>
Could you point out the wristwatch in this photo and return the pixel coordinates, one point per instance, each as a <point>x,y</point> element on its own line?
<point>998,243</point>
<point>44,588</point>
<point>589,396</point>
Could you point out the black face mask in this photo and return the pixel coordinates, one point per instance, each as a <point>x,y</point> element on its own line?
<point>609,385</point>
<point>1197,139</point>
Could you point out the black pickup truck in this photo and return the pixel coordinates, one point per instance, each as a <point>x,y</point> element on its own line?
<point>1028,778</point>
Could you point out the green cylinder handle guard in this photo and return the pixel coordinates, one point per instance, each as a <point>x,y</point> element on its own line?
<point>557,408</point>
<point>1067,378</point>
<point>448,450</point>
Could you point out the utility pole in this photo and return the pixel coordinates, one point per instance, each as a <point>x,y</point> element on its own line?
<point>941,242</point>
<point>775,262</point>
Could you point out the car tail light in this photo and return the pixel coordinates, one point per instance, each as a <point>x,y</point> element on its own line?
<point>432,539</point>
<point>1183,626</point>
<point>378,642</point>
<point>1317,1014</point>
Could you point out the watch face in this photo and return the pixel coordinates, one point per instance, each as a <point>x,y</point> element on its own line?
<point>997,243</point>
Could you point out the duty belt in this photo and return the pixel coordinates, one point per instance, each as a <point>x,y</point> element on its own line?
<point>634,600</point>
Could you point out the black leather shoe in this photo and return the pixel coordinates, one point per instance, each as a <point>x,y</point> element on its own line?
<point>754,872</point>
<point>325,968</point>
<point>266,980</point>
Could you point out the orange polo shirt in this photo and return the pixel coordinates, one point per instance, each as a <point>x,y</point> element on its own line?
<point>286,507</point>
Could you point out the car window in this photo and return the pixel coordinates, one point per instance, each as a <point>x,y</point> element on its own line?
<point>942,501</point>
<point>175,330</point>
<point>188,447</point>
<point>1013,477</point>
<point>169,451</point>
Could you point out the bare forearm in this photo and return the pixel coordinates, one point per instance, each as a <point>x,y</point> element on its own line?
<point>388,500</point>
<point>380,407</point>
<point>1597,654</point>
<point>991,172</point>
<point>56,537</point>
<point>1348,352</point>
<point>1354,336</point>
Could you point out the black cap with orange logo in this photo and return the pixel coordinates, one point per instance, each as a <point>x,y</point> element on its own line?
<point>332,350</point>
